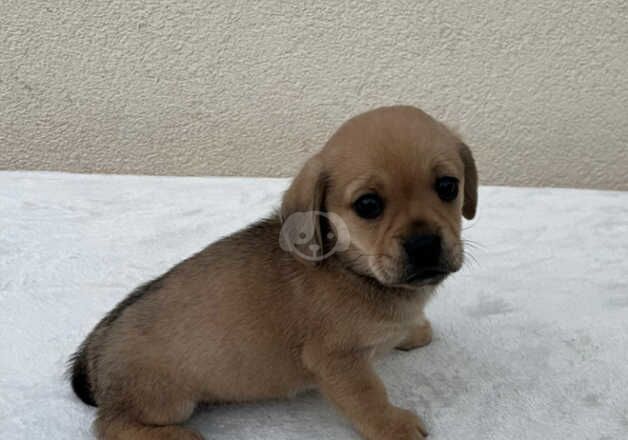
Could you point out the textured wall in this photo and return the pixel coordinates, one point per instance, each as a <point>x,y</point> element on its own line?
<point>538,88</point>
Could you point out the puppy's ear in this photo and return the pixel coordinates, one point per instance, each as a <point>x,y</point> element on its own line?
<point>470,183</point>
<point>301,228</point>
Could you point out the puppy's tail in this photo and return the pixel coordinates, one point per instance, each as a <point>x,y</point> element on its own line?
<point>80,377</point>
<point>80,365</point>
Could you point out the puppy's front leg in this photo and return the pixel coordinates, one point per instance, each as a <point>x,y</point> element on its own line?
<point>419,336</point>
<point>348,380</point>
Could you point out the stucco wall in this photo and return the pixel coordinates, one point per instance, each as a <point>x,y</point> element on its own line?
<point>538,88</point>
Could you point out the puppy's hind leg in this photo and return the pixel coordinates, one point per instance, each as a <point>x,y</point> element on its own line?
<point>119,426</point>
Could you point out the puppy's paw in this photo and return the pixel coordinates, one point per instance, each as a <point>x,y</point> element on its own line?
<point>419,336</point>
<point>174,433</point>
<point>191,435</point>
<point>401,424</point>
<point>170,433</point>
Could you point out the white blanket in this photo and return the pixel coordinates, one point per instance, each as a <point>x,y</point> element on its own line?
<point>531,339</point>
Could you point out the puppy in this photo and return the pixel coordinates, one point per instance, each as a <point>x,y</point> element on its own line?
<point>306,298</point>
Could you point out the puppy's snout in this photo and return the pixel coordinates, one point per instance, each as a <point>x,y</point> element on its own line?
<point>423,252</point>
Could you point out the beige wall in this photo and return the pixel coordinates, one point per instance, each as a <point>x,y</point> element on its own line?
<point>538,88</point>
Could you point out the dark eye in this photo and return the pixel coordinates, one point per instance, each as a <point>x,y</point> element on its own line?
<point>447,188</point>
<point>369,206</point>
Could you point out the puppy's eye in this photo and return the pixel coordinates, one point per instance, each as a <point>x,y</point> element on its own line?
<point>447,188</point>
<point>369,206</point>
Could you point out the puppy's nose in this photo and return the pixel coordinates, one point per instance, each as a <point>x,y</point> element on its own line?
<point>423,250</point>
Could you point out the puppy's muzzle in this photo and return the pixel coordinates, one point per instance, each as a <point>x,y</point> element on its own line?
<point>424,258</point>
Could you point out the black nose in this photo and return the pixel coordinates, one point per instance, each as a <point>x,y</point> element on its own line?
<point>423,251</point>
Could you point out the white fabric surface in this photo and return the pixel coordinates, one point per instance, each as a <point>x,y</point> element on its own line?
<point>531,341</point>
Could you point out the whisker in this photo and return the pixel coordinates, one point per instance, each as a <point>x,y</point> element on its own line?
<point>473,244</point>
<point>474,260</point>
<point>469,226</point>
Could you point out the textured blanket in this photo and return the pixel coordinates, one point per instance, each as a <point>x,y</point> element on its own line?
<point>531,337</point>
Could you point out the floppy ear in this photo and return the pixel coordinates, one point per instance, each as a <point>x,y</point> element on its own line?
<point>470,183</point>
<point>301,229</point>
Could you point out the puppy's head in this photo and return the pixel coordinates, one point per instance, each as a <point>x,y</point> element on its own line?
<point>385,196</point>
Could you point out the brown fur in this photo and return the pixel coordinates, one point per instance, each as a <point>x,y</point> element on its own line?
<point>245,320</point>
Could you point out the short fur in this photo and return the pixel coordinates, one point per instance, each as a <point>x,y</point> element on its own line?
<point>244,320</point>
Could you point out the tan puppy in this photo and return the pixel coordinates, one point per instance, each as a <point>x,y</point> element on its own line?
<point>371,224</point>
